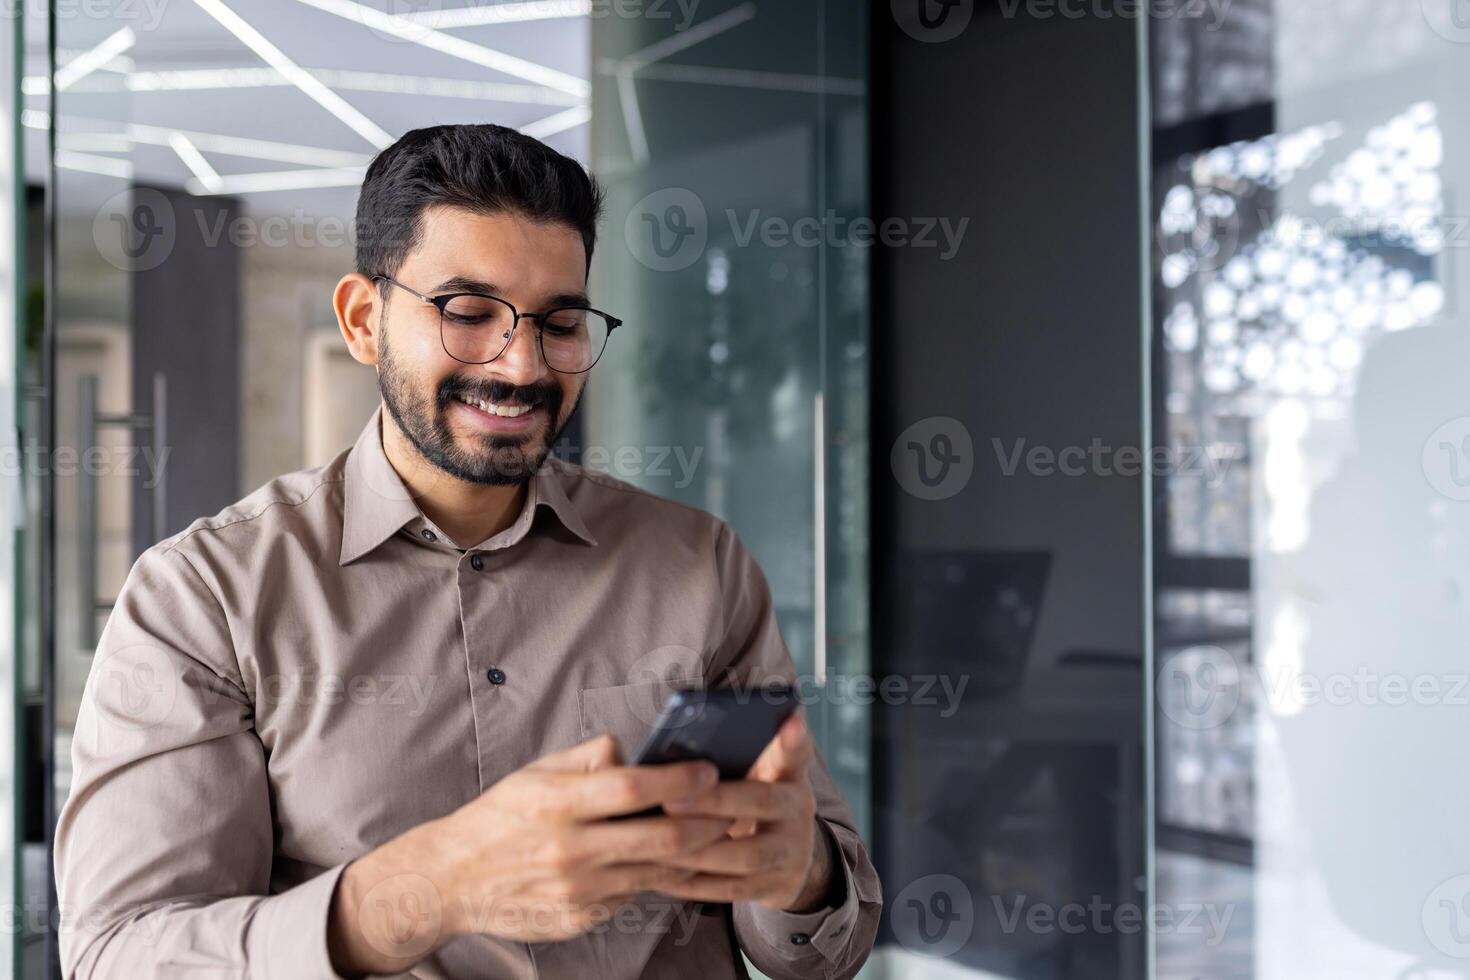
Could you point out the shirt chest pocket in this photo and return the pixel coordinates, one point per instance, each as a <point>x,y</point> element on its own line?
<point>626,712</point>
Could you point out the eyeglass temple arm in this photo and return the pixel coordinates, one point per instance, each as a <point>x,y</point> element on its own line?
<point>407,289</point>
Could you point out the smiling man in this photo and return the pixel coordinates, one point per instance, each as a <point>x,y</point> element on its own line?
<point>371,719</point>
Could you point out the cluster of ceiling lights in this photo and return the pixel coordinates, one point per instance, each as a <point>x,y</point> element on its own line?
<point>1290,312</point>
<point>1391,187</point>
<point>84,145</point>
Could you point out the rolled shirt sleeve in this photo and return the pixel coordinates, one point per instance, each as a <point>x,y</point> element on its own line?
<point>830,943</point>
<point>164,847</point>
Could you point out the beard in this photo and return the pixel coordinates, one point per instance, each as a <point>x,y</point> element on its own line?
<point>491,459</point>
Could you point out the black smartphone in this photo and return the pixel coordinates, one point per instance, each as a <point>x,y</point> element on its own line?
<point>727,726</point>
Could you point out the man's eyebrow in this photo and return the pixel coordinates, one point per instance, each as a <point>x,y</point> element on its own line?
<point>469,284</point>
<point>569,299</point>
<point>466,284</point>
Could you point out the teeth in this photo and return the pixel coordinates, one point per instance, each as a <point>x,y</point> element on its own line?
<point>504,411</point>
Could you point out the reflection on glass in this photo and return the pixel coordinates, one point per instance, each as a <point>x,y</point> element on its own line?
<point>1205,755</point>
<point>1309,584</point>
<point>1263,302</point>
<point>1216,65</point>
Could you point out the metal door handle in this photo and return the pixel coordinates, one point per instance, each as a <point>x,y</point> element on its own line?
<point>90,421</point>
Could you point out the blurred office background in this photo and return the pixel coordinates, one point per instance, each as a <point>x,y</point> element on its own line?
<point>1133,455</point>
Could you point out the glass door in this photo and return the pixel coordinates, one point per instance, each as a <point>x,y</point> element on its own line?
<point>1310,331</point>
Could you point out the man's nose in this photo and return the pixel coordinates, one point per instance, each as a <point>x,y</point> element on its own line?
<point>521,363</point>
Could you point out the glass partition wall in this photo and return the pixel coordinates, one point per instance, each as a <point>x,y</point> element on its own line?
<point>1008,586</point>
<point>1311,340</point>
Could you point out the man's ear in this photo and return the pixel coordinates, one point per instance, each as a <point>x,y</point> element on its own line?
<point>358,303</point>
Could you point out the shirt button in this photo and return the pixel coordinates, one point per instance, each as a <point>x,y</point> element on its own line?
<point>800,939</point>
<point>429,535</point>
<point>495,675</point>
<point>476,562</point>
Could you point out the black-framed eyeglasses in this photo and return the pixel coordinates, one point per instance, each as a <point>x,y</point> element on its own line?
<point>476,328</point>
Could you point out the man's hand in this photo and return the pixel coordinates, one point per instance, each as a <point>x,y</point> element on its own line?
<point>531,859</point>
<point>775,854</point>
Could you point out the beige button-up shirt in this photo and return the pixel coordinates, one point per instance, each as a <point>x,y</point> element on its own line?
<point>316,669</point>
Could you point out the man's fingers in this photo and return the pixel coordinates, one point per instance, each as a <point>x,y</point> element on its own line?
<point>748,856</point>
<point>591,755</point>
<point>629,879</point>
<point>745,798</point>
<point>619,790</point>
<point>785,758</point>
<point>612,842</point>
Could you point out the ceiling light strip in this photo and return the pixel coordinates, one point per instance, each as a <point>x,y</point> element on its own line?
<point>455,47</point>
<point>76,127</point>
<point>255,149</point>
<point>194,160</point>
<point>198,79</point>
<point>93,164</point>
<point>501,13</point>
<point>750,78</point>
<point>84,64</point>
<point>281,180</point>
<point>294,73</point>
<point>558,123</point>
<point>689,37</point>
<point>632,116</point>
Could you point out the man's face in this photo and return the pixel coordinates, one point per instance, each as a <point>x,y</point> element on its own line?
<point>436,399</point>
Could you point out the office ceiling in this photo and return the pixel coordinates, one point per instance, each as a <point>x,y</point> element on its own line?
<point>282,102</point>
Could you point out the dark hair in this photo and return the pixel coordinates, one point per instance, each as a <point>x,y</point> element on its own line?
<point>483,168</point>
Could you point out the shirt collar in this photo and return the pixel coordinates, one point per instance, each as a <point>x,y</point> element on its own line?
<point>551,491</point>
<point>376,504</point>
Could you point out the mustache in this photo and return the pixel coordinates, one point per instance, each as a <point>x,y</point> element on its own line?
<point>499,392</point>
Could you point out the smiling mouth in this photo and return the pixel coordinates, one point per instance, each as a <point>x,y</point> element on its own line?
<point>503,411</point>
